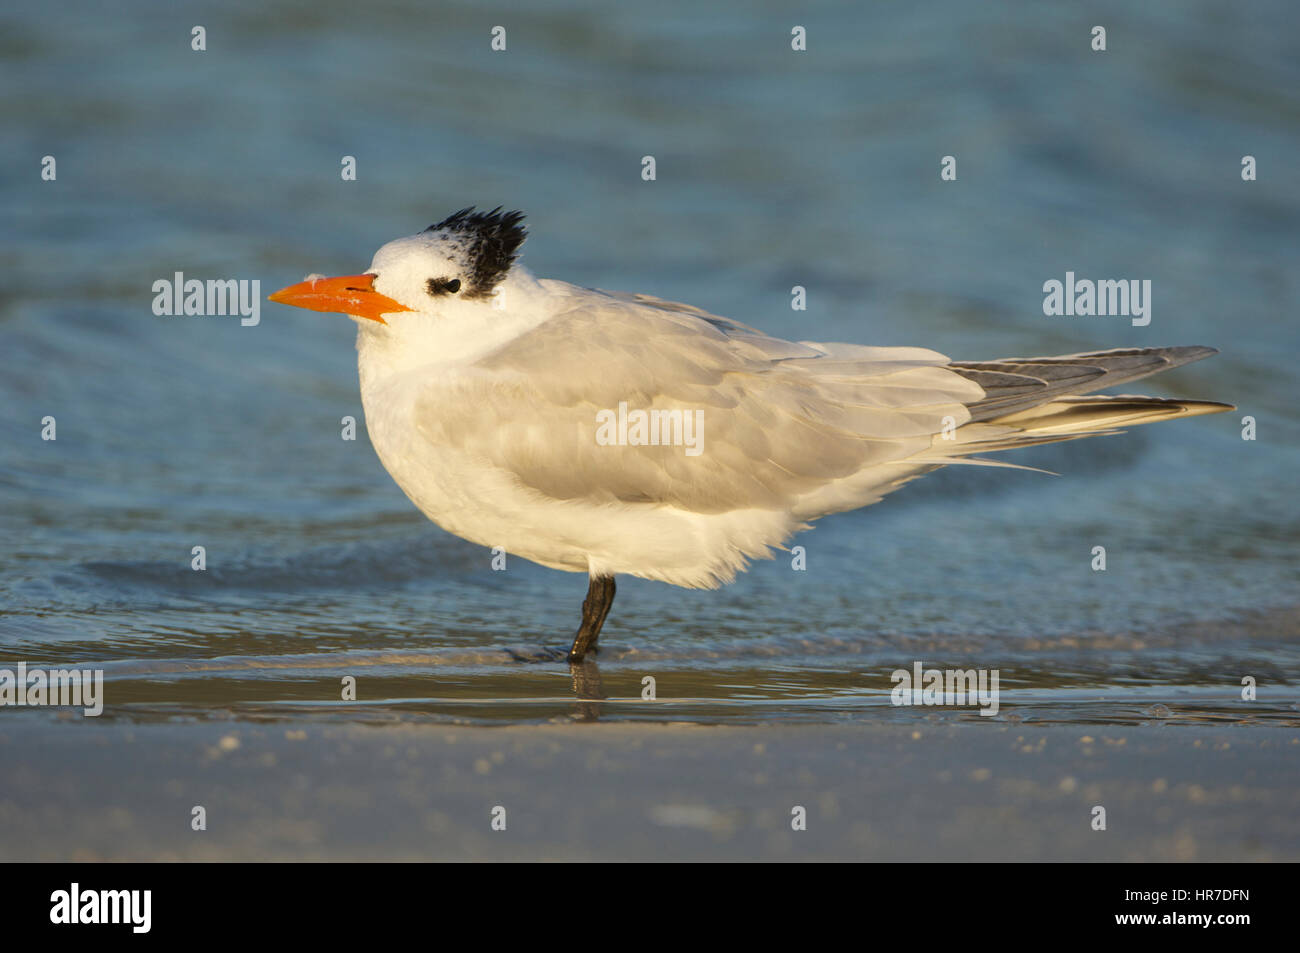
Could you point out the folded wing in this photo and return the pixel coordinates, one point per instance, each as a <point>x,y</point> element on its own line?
<point>802,427</point>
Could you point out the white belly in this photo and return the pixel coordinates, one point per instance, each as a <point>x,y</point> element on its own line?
<point>487,506</point>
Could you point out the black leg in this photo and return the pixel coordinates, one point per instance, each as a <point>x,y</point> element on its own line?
<point>600,596</point>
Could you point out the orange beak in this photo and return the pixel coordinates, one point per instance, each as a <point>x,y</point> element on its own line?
<point>351,294</point>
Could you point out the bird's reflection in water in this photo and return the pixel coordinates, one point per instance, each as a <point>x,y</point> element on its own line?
<point>586,686</point>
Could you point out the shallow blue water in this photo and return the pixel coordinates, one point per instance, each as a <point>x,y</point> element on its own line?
<point>774,168</point>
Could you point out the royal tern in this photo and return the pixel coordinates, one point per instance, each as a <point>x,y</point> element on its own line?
<point>610,433</point>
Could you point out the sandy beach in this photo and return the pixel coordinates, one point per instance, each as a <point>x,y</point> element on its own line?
<point>626,792</point>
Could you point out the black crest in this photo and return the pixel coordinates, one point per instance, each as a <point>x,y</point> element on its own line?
<point>490,242</point>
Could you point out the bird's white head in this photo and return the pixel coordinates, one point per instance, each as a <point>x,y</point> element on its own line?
<point>460,263</point>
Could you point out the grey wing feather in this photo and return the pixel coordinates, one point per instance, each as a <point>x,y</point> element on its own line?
<point>781,419</point>
<point>1030,381</point>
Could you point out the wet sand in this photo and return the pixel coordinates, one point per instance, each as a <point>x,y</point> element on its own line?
<point>84,791</point>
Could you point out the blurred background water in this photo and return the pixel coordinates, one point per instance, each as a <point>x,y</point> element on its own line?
<point>775,169</point>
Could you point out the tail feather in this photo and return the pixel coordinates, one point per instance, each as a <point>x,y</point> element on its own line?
<point>1037,400</point>
<point>1106,412</point>
<point>1031,381</point>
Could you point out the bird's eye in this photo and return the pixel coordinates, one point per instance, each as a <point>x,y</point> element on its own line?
<point>442,286</point>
